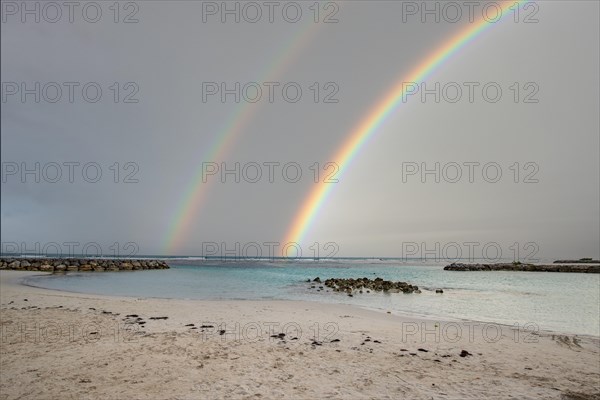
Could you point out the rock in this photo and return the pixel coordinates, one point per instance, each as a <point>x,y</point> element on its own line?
<point>465,353</point>
<point>439,291</point>
<point>85,267</point>
<point>14,265</point>
<point>126,266</point>
<point>317,279</point>
<point>47,267</point>
<point>73,268</point>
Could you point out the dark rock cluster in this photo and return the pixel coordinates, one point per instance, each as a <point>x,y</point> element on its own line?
<point>79,264</point>
<point>516,266</point>
<point>365,284</point>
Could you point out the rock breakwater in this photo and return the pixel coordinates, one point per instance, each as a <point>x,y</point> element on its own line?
<point>80,264</point>
<point>582,268</point>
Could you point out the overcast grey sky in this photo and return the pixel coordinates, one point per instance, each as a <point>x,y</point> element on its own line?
<point>165,59</point>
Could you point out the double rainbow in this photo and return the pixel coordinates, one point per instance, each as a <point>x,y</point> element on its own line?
<point>378,115</point>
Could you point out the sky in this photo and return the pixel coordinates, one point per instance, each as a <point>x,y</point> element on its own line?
<point>112,173</point>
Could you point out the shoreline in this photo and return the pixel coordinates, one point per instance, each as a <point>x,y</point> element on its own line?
<point>18,281</point>
<point>113,347</point>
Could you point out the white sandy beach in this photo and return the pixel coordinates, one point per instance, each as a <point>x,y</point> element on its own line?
<point>75,346</point>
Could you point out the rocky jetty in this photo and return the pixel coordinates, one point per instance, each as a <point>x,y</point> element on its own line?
<point>584,268</point>
<point>365,284</point>
<point>80,264</point>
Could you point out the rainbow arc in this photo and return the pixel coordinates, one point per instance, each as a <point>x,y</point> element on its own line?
<point>377,116</point>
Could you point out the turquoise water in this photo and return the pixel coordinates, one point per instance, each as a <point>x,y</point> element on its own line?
<point>561,302</point>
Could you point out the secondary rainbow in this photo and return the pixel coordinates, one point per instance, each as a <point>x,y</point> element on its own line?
<point>377,116</point>
<point>194,195</point>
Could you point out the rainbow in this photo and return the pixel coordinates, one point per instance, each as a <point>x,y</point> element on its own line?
<point>195,193</point>
<point>356,140</point>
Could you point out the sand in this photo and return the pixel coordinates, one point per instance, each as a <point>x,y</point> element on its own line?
<point>58,345</point>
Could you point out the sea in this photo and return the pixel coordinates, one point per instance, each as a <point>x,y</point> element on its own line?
<point>543,301</point>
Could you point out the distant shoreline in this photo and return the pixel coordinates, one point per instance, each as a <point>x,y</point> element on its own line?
<point>69,264</point>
